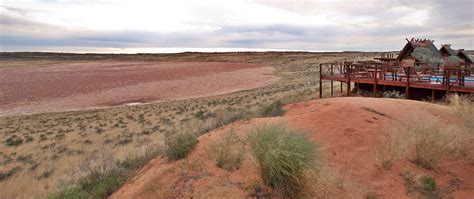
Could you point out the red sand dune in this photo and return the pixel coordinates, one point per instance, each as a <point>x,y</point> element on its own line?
<point>80,85</point>
<point>347,134</point>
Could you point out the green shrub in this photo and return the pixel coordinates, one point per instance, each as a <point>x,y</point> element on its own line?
<point>178,145</point>
<point>429,184</point>
<point>9,173</point>
<point>229,155</point>
<point>393,94</point>
<point>417,183</point>
<point>103,176</point>
<point>274,109</point>
<point>283,155</point>
<point>13,141</point>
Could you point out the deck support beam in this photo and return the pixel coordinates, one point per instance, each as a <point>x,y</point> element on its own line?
<point>375,82</point>
<point>432,95</point>
<point>407,89</point>
<point>332,86</point>
<point>348,71</point>
<point>320,82</point>
<point>341,71</point>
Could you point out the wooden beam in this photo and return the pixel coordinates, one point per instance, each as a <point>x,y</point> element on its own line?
<point>375,81</point>
<point>348,71</point>
<point>340,67</point>
<point>407,89</point>
<point>320,82</point>
<point>432,95</point>
<point>332,86</point>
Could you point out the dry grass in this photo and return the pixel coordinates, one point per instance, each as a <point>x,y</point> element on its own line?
<point>60,141</point>
<point>228,152</point>
<point>425,140</point>
<point>464,106</point>
<point>283,155</point>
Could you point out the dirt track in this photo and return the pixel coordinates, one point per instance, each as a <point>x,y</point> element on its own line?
<point>81,85</point>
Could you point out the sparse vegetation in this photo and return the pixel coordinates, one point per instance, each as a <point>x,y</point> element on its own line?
<point>102,178</point>
<point>422,184</point>
<point>274,109</point>
<point>464,106</point>
<point>88,131</point>
<point>9,173</point>
<point>393,94</point>
<point>424,139</point>
<point>283,154</point>
<point>178,145</point>
<point>228,151</point>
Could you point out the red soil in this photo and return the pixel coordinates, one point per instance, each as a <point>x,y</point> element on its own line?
<point>79,85</point>
<point>347,134</point>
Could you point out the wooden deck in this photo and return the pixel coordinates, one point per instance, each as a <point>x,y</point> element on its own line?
<point>390,74</point>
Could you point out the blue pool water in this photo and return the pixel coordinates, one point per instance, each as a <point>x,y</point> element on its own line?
<point>438,78</point>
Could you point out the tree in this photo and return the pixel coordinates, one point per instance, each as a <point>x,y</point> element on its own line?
<point>455,60</point>
<point>422,54</point>
<point>425,56</point>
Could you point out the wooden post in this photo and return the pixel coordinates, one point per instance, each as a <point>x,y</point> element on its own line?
<point>341,70</point>
<point>432,95</point>
<point>332,74</point>
<point>320,82</point>
<point>407,90</point>
<point>375,81</point>
<point>448,78</point>
<point>348,69</point>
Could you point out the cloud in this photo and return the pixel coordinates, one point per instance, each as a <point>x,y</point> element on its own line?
<point>298,25</point>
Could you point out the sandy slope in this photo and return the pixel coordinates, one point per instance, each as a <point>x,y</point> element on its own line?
<point>347,133</point>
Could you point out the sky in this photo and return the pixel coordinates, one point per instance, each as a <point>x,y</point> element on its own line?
<point>131,26</point>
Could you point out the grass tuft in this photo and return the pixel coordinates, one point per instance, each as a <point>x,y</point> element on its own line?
<point>178,145</point>
<point>417,183</point>
<point>464,107</point>
<point>274,109</point>
<point>103,176</point>
<point>228,154</point>
<point>283,154</point>
<point>424,139</point>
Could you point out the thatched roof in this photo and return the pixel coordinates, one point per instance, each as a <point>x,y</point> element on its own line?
<point>463,55</point>
<point>447,48</point>
<point>418,43</point>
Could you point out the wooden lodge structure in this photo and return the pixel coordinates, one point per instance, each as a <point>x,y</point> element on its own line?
<point>446,51</point>
<point>390,72</point>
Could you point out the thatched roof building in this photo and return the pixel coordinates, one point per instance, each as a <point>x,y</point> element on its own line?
<point>446,51</point>
<point>414,44</point>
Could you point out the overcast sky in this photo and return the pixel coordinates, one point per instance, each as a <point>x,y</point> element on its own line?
<point>318,25</point>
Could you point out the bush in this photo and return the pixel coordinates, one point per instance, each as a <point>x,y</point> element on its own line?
<point>102,178</point>
<point>283,154</point>
<point>13,141</point>
<point>424,138</point>
<point>429,184</point>
<point>425,185</point>
<point>464,107</point>
<point>274,109</point>
<point>392,148</point>
<point>178,145</point>
<point>393,94</point>
<point>433,142</point>
<point>228,154</point>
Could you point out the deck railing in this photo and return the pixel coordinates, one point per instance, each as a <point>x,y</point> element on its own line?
<point>374,72</point>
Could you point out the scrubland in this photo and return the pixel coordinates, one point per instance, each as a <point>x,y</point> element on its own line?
<point>41,152</point>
